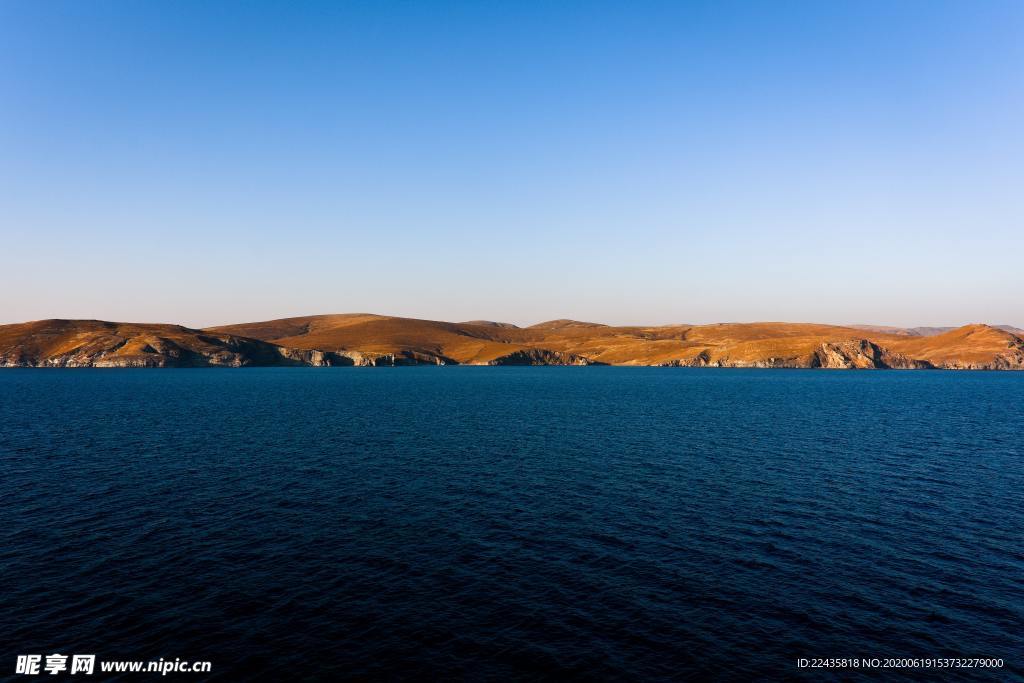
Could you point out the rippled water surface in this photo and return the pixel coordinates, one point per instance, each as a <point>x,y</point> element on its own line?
<point>494,523</point>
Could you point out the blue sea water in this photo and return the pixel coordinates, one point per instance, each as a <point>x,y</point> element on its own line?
<point>512,523</point>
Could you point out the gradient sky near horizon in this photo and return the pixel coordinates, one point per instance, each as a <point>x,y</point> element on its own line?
<point>204,163</point>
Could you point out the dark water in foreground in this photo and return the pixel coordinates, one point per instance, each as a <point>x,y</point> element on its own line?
<point>494,523</point>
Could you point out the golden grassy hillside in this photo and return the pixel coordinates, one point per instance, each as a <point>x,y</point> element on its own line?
<point>367,339</point>
<point>729,345</point>
<point>477,342</point>
<point>96,343</point>
<point>967,346</point>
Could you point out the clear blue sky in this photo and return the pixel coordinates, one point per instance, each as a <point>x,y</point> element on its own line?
<point>205,163</point>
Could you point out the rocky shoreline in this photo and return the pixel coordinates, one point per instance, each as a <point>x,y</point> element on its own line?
<point>851,355</point>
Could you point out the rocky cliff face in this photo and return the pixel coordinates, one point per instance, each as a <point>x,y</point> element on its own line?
<point>861,353</point>
<point>541,357</point>
<point>849,354</point>
<point>1011,359</point>
<point>394,359</point>
<point>313,358</point>
<point>701,360</point>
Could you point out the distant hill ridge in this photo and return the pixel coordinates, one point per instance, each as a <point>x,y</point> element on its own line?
<point>370,339</point>
<point>927,331</point>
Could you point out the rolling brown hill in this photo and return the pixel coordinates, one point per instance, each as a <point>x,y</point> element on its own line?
<point>96,343</point>
<point>568,341</point>
<point>368,339</point>
<point>927,331</point>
